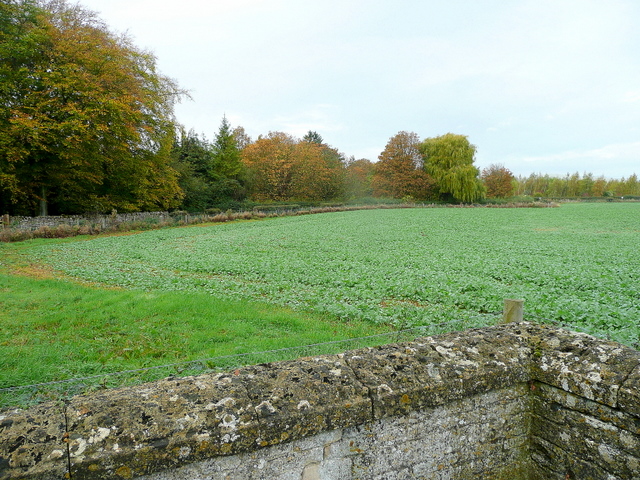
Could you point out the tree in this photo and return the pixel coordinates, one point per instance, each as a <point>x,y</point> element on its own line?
<point>225,154</point>
<point>226,170</point>
<point>498,181</point>
<point>599,186</point>
<point>211,174</point>
<point>190,148</point>
<point>358,177</point>
<point>318,172</point>
<point>586,185</point>
<point>449,160</point>
<point>86,122</point>
<point>331,169</point>
<point>192,160</point>
<point>631,186</point>
<point>269,163</point>
<point>281,167</point>
<point>313,137</point>
<point>241,137</point>
<point>399,172</point>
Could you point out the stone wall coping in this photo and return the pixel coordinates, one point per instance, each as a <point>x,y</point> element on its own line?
<point>133,431</point>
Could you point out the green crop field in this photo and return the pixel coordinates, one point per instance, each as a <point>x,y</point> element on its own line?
<point>364,272</point>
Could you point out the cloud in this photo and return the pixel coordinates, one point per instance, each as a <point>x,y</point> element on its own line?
<point>631,96</point>
<point>534,83</point>
<point>322,118</point>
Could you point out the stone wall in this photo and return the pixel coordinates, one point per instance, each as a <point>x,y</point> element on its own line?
<point>104,221</point>
<point>519,401</point>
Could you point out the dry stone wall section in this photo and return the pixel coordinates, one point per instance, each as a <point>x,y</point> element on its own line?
<point>518,401</point>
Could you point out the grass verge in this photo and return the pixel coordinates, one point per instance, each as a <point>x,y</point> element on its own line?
<point>56,330</point>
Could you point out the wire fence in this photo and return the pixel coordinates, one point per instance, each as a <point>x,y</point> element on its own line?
<point>22,396</point>
<point>60,390</point>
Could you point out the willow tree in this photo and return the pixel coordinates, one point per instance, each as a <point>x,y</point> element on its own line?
<point>86,121</point>
<point>448,159</point>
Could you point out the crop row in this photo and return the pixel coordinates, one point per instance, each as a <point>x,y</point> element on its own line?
<point>577,264</point>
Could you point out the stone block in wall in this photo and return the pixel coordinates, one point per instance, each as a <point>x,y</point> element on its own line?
<point>629,395</point>
<point>481,436</point>
<point>435,370</point>
<point>584,438</point>
<point>579,363</point>
<point>128,432</point>
<point>33,443</point>
<point>295,399</point>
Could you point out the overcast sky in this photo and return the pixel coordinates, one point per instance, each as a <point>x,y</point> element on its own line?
<point>540,86</point>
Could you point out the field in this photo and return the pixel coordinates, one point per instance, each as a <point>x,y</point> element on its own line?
<point>352,273</point>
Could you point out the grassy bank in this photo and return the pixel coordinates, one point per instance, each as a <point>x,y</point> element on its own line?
<point>55,330</point>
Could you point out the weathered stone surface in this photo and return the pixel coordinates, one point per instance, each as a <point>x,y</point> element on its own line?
<point>307,459</point>
<point>602,438</point>
<point>127,432</point>
<point>479,437</point>
<point>553,463</point>
<point>299,398</point>
<point>435,370</point>
<point>596,443</point>
<point>33,443</point>
<point>134,431</point>
<point>579,363</point>
<point>629,395</point>
<point>547,398</point>
<point>518,401</point>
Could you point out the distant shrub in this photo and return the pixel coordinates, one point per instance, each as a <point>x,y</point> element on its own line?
<point>64,231</point>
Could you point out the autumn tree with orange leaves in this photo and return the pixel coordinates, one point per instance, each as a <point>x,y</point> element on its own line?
<point>280,167</point>
<point>498,181</point>
<point>399,172</point>
<point>358,176</point>
<point>86,121</point>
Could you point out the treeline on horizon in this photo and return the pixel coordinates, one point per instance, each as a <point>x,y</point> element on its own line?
<point>87,125</point>
<point>280,168</point>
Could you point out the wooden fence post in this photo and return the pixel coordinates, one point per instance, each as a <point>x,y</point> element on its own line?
<point>513,311</point>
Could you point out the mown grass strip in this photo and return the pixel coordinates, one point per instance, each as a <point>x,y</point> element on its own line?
<point>56,330</point>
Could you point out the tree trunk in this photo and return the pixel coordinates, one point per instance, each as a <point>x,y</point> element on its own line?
<point>44,207</point>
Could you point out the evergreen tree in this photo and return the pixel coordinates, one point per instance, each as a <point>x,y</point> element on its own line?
<point>225,154</point>
<point>313,137</point>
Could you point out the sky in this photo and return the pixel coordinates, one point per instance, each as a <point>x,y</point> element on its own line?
<point>539,86</point>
